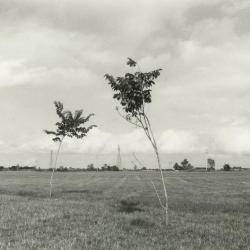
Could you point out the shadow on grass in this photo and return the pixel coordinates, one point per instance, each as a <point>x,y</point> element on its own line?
<point>127,206</point>
<point>25,193</point>
<point>2,191</point>
<point>209,207</point>
<point>142,223</point>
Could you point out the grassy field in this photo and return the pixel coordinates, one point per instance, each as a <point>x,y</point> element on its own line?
<point>120,211</point>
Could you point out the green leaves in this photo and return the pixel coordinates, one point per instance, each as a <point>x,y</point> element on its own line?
<point>133,90</point>
<point>131,62</point>
<point>70,125</point>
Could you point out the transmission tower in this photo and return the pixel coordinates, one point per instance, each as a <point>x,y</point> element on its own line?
<point>119,158</point>
<point>51,159</point>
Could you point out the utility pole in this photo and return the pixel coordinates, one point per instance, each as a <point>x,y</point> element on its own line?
<point>96,162</point>
<point>208,152</point>
<point>170,163</point>
<point>206,155</point>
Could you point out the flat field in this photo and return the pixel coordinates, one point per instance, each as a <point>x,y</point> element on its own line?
<point>119,210</point>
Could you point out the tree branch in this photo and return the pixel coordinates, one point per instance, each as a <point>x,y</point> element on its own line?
<point>138,160</point>
<point>133,123</point>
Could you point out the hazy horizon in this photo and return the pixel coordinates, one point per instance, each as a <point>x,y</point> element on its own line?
<point>81,160</point>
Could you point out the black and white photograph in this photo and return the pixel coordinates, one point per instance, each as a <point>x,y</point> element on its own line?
<point>125,124</point>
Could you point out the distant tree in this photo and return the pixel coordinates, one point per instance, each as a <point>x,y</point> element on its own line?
<point>210,164</point>
<point>70,125</point>
<point>133,92</point>
<point>14,167</point>
<point>226,167</point>
<point>186,165</point>
<point>1,168</point>
<point>62,169</point>
<point>177,166</point>
<point>114,168</point>
<point>189,166</point>
<point>27,168</point>
<point>106,167</point>
<point>91,167</point>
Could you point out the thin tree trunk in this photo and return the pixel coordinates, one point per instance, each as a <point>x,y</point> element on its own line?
<point>53,170</point>
<point>163,184</point>
<point>154,144</point>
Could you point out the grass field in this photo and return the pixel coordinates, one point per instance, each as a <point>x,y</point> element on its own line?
<point>120,211</point>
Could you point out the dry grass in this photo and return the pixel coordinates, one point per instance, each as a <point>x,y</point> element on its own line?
<point>120,211</point>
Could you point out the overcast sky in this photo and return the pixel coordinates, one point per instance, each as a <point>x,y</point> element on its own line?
<point>60,50</point>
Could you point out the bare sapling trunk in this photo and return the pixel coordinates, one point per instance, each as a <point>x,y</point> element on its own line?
<point>149,132</point>
<point>146,126</point>
<point>163,184</point>
<point>164,206</point>
<point>54,168</point>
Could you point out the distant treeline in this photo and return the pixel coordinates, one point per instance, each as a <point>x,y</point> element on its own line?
<point>186,166</point>
<point>90,167</point>
<point>183,166</point>
<point>18,167</point>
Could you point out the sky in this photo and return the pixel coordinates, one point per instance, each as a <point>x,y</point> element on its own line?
<point>60,50</point>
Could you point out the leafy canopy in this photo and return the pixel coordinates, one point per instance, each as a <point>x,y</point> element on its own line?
<point>133,90</point>
<point>71,125</point>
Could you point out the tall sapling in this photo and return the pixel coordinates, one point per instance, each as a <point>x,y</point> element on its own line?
<point>133,92</point>
<point>70,125</point>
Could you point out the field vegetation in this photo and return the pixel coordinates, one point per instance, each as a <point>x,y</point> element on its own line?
<point>119,210</point>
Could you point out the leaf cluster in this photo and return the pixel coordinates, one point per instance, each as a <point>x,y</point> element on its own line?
<point>133,90</point>
<point>70,125</point>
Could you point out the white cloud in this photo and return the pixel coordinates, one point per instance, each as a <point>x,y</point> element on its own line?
<point>101,142</point>
<point>97,141</point>
<point>172,141</point>
<point>227,140</point>
<point>13,72</point>
<point>232,140</point>
<point>135,141</point>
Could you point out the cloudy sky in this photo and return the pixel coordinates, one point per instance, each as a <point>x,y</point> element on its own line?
<point>60,50</point>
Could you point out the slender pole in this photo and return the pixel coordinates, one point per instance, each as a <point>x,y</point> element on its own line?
<point>206,157</point>
<point>170,164</point>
